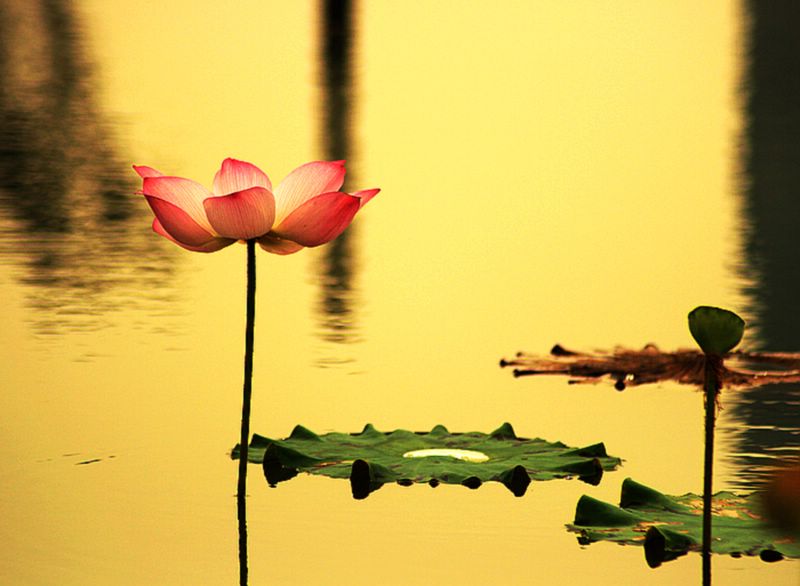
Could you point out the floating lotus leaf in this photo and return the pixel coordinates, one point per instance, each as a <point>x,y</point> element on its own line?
<point>671,526</point>
<point>372,458</point>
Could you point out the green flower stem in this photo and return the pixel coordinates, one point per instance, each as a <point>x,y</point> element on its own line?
<point>241,493</point>
<point>713,363</point>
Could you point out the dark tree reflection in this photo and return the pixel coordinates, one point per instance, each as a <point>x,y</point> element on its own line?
<point>69,220</point>
<point>337,268</point>
<point>771,165</point>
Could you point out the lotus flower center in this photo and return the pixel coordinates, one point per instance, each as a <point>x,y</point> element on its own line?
<point>466,455</point>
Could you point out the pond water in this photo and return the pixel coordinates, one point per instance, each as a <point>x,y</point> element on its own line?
<point>574,172</point>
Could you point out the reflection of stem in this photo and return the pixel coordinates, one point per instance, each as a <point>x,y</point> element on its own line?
<point>241,493</point>
<point>711,387</point>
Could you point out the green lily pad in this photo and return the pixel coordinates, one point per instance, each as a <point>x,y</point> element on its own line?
<point>716,331</point>
<point>372,458</point>
<point>671,526</point>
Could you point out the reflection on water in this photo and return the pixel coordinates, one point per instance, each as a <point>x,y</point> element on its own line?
<point>771,163</point>
<point>68,218</point>
<point>337,266</point>
<point>771,431</point>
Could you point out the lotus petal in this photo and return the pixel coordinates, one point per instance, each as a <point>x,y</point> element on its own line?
<point>211,246</point>
<point>305,182</point>
<point>277,245</point>
<point>145,171</point>
<point>320,219</point>
<point>365,195</point>
<point>178,224</point>
<point>183,193</point>
<point>242,215</point>
<point>305,209</point>
<point>237,176</point>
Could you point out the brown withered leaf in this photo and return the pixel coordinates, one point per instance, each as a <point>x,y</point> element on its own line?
<point>628,367</point>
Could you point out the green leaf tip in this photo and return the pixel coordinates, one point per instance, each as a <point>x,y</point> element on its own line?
<point>367,477</point>
<point>369,430</point>
<point>591,512</point>
<point>716,331</point>
<point>662,545</point>
<point>504,432</point>
<point>634,494</point>
<point>516,480</point>
<point>300,432</point>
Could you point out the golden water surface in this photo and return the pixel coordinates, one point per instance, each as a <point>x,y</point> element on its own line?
<point>550,172</point>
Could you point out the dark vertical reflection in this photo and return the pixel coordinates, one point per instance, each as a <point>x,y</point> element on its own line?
<point>337,269</point>
<point>771,189</point>
<point>69,222</point>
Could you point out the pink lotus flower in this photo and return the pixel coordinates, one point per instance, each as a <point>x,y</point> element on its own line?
<point>305,209</point>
